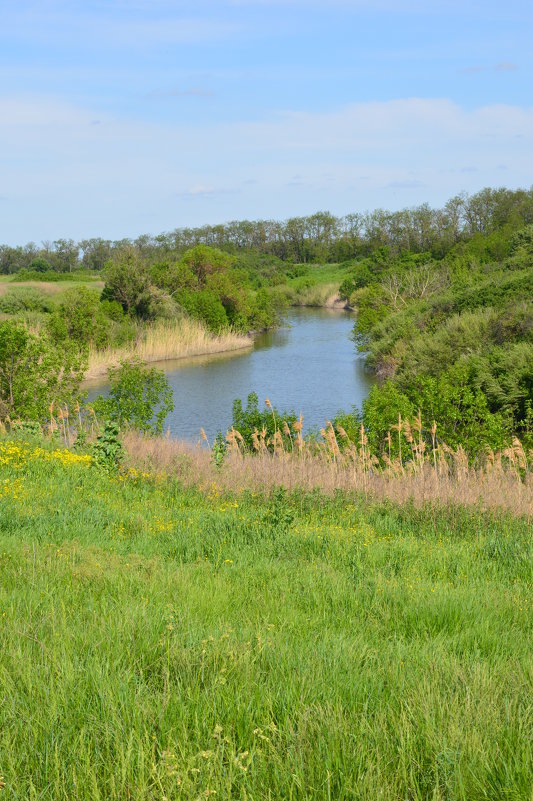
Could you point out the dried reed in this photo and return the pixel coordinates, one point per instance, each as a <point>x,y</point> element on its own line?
<point>166,340</point>
<point>437,476</point>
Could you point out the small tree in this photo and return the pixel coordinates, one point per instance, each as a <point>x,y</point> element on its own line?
<point>35,373</point>
<point>203,261</point>
<point>129,283</point>
<point>80,316</point>
<point>140,397</point>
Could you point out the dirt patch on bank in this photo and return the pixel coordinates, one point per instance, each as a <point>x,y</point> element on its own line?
<point>336,302</point>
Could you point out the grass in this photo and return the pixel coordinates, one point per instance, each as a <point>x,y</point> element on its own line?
<point>51,290</point>
<point>167,340</point>
<point>500,484</point>
<point>319,286</point>
<point>162,643</point>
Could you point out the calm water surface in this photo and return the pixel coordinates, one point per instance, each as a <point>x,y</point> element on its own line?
<point>310,366</point>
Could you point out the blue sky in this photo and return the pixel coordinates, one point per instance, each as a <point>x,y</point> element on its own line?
<point>133,116</point>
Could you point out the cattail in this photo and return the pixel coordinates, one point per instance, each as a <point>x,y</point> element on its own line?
<point>388,440</point>
<point>519,453</point>
<point>398,427</point>
<point>269,406</point>
<point>278,442</point>
<point>433,440</point>
<point>78,412</point>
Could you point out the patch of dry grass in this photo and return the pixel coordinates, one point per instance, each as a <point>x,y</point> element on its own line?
<point>164,341</point>
<point>320,295</point>
<point>441,477</point>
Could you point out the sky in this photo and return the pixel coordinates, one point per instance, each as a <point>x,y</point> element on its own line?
<point>127,117</point>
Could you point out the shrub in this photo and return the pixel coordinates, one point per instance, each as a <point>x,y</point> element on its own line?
<point>23,299</point>
<point>80,317</point>
<point>128,282</point>
<point>250,420</point>
<point>139,397</point>
<point>206,306</point>
<point>34,372</point>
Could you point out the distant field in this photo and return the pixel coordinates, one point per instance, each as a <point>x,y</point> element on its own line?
<point>163,643</point>
<point>47,287</point>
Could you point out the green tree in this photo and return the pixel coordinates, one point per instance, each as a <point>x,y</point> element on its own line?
<point>129,283</point>
<point>35,373</point>
<point>40,265</point>
<point>203,261</point>
<point>80,317</point>
<point>139,396</point>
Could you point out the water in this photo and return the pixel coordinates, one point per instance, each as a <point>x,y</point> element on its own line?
<point>310,366</point>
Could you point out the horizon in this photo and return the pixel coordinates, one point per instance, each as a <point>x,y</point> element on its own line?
<point>126,118</point>
<point>281,221</point>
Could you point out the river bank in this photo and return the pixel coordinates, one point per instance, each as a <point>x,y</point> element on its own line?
<point>168,341</point>
<point>187,338</point>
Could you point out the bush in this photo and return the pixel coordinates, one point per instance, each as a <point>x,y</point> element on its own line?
<point>24,299</point>
<point>139,397</point>
<point>128,282</point>
<point>206,306</point>
<point>80,317</point>
<point>35,373</point>
<point>251,419</point>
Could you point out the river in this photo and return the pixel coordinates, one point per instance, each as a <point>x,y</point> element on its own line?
<point>310,365</point>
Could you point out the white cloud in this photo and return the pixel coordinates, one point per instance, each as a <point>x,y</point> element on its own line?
<point>67,176</point>
<point>109,26</point>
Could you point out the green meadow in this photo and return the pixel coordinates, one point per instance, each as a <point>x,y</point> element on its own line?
<point>162,643</point>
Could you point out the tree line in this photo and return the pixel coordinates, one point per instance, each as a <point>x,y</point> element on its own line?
<point>320,237</point>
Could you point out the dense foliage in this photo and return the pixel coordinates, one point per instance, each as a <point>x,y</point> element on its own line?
<point>139,396</point>
<point>451,336</point>
<point>36,375</point>
<point>204,283</point>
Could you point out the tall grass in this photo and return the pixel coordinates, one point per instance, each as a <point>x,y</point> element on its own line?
<point>319,295</point>
<point>436,475</point>
<point>166,340</point>
<point>160,643</point>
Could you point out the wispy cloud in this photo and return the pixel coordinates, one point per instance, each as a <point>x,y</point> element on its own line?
<point>193,91</point>
<point>203,192</point>
<point>407,184</point>
<point>109,26</point>
<point>119,175</point>
<point>506,66</point>
<point>502,66</point>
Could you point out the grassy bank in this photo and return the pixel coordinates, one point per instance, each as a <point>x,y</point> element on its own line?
<point>158,643</point>
<point>503,482</point>
<point>166,340</point>
<point>318,286</point>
